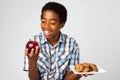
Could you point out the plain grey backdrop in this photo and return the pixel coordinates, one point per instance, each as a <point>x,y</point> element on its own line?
<point>95,24</point>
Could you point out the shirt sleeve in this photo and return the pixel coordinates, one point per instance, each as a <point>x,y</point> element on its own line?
<point>75,57</point>
<point>25,68</point>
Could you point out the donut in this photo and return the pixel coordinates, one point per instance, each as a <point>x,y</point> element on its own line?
<point>90,69</point>
<point>79,67</point>
<point>86,64</point>
<point>86,69</point>
<point>94,67</point>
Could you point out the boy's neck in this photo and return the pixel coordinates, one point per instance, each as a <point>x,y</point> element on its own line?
<point>54,40</point>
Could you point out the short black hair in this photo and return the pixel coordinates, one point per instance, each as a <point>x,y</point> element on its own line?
<point>57,8</point>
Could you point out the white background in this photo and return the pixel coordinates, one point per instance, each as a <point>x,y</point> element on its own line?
<point>95,24</point>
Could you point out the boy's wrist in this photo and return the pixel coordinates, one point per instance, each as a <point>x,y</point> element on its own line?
<point>32,62</point>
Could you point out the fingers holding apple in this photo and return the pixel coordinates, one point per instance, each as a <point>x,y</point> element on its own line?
<point>37,50</point>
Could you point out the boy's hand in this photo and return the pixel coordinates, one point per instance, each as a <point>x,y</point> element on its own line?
<point>69,75</point>
<point>33,55</point>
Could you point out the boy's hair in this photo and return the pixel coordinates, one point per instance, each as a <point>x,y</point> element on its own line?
<point>57,8</point>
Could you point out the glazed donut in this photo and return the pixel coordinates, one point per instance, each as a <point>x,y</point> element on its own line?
<point>90,69</point>
<point>79,67</point>
<point>86,69</point>
<point>94,67</point>
<point>86,64</point>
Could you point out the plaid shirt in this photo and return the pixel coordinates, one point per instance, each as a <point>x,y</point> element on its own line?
<point>54,60</point>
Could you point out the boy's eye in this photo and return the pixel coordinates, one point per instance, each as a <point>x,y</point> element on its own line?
<point>53,22</point>
<point>43,21</point>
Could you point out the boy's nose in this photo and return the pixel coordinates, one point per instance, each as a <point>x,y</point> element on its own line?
<point>47,26</point>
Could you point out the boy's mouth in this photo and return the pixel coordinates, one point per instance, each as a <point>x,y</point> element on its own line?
<point>47,32</point>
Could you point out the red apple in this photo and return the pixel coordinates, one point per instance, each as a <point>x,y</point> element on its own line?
<point>31,45</point>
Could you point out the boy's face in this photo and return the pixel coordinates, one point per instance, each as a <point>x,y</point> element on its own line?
<point>50,24</point>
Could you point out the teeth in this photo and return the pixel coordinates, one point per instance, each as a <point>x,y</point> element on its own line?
<point>47,32</point>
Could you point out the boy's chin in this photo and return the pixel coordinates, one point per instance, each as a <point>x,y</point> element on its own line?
<point>48,36</point>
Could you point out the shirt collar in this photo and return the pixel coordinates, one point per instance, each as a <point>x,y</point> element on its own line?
<point>43,39</point>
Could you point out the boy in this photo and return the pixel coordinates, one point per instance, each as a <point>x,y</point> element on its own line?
<point>51,60</point>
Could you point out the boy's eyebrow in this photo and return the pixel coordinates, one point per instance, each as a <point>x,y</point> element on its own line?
<point>50,19</point>
<point>53,19</point>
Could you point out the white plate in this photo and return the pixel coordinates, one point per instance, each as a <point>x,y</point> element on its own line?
<point>100,70</point>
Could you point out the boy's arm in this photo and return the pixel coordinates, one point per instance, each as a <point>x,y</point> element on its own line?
<point>33,72</point>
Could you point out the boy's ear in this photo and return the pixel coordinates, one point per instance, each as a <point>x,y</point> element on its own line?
<point>62,25</point>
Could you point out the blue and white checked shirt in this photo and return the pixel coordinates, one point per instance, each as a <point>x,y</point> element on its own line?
<point>54,60</point>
